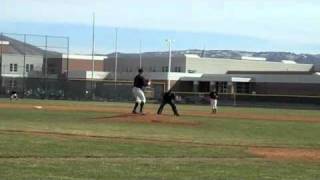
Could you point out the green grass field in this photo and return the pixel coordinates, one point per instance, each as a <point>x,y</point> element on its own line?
<point>80,140</point>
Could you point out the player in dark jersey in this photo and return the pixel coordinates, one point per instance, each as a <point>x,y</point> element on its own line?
<point>214,101</point>
<point>168,98</point>
<point>139,84</point>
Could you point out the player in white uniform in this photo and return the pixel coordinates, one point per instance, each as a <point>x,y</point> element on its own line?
<point>139,84</point>
<point>13,95</point>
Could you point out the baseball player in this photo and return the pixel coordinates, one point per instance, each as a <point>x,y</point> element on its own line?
<point>214,101</point>
<point>139,84</point>
<point>13,95</point>
<point>168,98</point>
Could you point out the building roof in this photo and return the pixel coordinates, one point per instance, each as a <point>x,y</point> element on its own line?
<point>288,62</point>
<point>150,55</point>
<point>192,56</point>
<point>194,63</point>
<point>84,57</point>
<point>12,46</point>
<point>270,72</point>
<point>260,78</point>
<point>253,58</point>
<point>225,66</point>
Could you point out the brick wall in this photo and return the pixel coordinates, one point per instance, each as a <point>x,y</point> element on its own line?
<point>82,65</point>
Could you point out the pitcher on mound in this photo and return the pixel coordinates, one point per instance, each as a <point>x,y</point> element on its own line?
<point>139,84</point>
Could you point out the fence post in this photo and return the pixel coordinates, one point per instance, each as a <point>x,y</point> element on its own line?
<point>24,64</point>
<point>234,92</point>
<point>1,39</point>
<point>66,86</point>
<point>46,67</point>
<point>68,51</point>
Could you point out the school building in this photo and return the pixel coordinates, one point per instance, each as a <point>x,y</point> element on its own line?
<point>191,73</point>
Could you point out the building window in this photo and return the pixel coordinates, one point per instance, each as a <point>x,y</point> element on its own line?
<point>29,67</point>
<point>13,83</point>
<point>177,69</point>
<point>222,87</point>
<point>13,67</point>
<point>52,69</point>
<point>191,71</point>
<point>154,69</point>
<point>127,69</point>
<point>243,88</point>
<point>165,69</point>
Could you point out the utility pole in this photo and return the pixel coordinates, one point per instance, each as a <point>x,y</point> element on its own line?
<point>24,64</point>
<point>169,41</point>
<point>140,54</point>
<point>116,59</point>
<point>92,55</point>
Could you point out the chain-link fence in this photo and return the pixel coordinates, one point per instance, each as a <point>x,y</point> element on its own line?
<point>109,90</point>
<point>37,66</point>
<point>31,60</point>
<point>59,89</point>
<point>82,90</point>
<point>264,100</point>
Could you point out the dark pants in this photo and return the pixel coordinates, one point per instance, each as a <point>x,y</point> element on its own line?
<point>173,106</point>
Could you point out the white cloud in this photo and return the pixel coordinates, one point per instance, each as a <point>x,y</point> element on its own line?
<point>279,20</point>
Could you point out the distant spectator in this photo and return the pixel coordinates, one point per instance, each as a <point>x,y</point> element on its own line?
<point>214,101</point>
<point>13,95</point>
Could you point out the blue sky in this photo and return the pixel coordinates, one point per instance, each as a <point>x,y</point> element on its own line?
<point>253,25</point>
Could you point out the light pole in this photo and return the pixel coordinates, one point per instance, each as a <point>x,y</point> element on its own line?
<point>116,59</point>
<point>140,54</point>
<point>169,41</point>
<point>92,55</point>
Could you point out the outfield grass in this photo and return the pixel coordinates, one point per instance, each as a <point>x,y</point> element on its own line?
<point>79,146</point>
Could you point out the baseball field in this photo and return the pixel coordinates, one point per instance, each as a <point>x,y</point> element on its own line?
<point>99,140</point>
